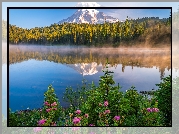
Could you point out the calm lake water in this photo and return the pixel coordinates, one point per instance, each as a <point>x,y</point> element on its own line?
<point>32,68</point>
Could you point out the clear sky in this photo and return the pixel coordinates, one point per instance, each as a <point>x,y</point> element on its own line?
<point>28,18</point>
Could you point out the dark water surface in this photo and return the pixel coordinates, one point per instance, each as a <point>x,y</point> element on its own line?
<point>32,68</point>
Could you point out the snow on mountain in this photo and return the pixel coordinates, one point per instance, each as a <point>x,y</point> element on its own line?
<point>91,16</point>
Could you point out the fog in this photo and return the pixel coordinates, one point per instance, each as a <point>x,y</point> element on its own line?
<point>71,48</point>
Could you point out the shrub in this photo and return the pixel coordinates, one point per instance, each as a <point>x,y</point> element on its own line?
<point>163,95</point>
<point>52,111</point>
<point>24,117</point>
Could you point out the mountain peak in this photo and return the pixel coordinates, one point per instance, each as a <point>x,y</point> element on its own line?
<point>91,16</point>
<point>87,4</point>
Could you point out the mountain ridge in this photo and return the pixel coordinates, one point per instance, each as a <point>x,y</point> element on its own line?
<point>91,16</point>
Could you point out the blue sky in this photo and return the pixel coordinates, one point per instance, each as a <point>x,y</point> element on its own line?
<point>28,18</point>
<point>39,18</point>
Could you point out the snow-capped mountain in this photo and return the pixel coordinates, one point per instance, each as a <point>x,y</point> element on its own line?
<point>91,16</point>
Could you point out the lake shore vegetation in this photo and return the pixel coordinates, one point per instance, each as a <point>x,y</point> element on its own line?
<point>147,31</point>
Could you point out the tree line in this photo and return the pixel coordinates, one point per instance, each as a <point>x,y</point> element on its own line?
<point>89,34</point>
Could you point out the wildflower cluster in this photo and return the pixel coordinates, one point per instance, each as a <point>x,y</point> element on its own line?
<point>80,119</point>
<point>152,109</point>
<point>51,110</point>
<point>41,122</point>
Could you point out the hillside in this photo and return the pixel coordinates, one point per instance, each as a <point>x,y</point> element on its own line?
<point>130,32</point>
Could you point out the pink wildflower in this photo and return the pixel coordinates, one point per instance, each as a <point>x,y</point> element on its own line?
<point>100,104</point>
<point>117,118</point>
<point>37,129</point>
<point>54,108</point>
<point>152,109</point>
<point>78,111</point>
<point>149,109</point>
<point>48,110</point>
<point>54,124</point>
<point>76,120</point>
<point>47,104</point>
<point>106,103</point>
<point>41,122</point>
<point>107,112</point>
<point>54,104</point>
<point>86,115</point>
<point>155,109</point>
<point>91,125</point>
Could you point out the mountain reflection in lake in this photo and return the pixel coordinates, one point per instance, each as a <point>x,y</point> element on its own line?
<point>32,68</point>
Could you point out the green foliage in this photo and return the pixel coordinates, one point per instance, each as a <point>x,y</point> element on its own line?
<point>163,95</point>
<point>131,106</point>
<point>52,111</point>
<point>24,118</point>
<point>76,97</point>
<point>90,34</point>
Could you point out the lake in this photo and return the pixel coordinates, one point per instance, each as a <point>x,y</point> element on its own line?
<point>33,67</point>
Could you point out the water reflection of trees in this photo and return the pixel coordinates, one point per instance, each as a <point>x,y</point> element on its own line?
<point>127,57</point>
